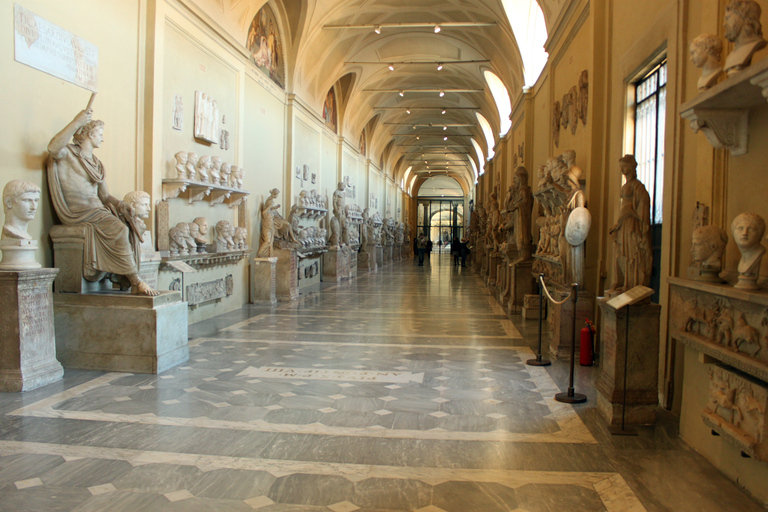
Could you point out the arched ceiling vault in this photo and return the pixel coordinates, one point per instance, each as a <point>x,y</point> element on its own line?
<point>331,40</point>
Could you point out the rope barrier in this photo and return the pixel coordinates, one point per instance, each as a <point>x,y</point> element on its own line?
<point>544,287</point>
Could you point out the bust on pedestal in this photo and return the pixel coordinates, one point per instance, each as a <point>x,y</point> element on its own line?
<point>28,359</point>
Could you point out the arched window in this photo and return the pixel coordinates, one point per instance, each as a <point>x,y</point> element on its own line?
<point>490,140</point>
<point>530,30</point>
<point>405,177</point>
<point>501,97</point>
<point>480,158</point>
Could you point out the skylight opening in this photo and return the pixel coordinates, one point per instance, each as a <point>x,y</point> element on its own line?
<point>503,103</point>
<point>527,21</point>
<point>490,140</point>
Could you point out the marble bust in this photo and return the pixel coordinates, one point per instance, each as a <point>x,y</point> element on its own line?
<point>203,168</point>
<point>224,174</point>
<point>748,230</point>
<point>743,29</point>
<point>216,169</point>
<point>181,164</point>
<point>140,201</point>
<point>191,165</point>
<point>224,232</point>
<point>80,196</point>
<point>202,230</point>
<point>706,51</point>
<point>707,248</point>
<point>20,202</point>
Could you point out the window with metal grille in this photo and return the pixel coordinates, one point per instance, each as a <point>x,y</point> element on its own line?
<point>650,110</point>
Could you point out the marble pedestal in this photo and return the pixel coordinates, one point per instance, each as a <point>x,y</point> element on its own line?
<point>396,253</point>
<point>366,258</point>
<point>121,332</point>
<point>521,284</point>
<point>643,363</point>
<point>265,280</point>
<point>561,322</point>
<point>286,278</point>
<point>353,252</point>
<point>406,251</point>
<point>18,254</point>
<point>378,255</point>
<point>336,263</point>
<point>27,335</point>
<point>387,254</point>
<point>531,306</point>
<point>494,259</point>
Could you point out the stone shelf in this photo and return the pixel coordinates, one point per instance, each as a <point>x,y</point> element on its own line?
<point>311,253</point>
<point>207,260</point>
<point>311,212</point>
<point>722,112</point>
<point>199,191</point>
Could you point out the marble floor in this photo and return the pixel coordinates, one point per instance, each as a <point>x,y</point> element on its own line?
<point>402,390</point>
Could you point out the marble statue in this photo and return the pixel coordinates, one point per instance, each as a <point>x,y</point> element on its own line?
<point>192,165</point>
<point>237,176</point>
<point>707,248</point>
<point>186,235</point>
<point>194,232</point>
<point>215,174</point>
<point>20,202</point>
<point>203,168</point>
<point>76,179</point>
<point>338,220</point>
<point>494,220</point>
<point>523,208</point>
<point>273,225</point>
<point>181,164</point>
<point>224,232</point>
<point>748,230</point>
<point>706,51</point>
<point>633,256</point>
<point>232,183</point>
<point>743,29</point>
<point>224,174</point>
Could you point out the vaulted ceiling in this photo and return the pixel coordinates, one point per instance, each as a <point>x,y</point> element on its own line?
<point>349,44</point>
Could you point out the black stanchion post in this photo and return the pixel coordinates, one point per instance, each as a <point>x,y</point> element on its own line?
<point>539,361</point>
<point>623,430</point>
<point>571,397</point>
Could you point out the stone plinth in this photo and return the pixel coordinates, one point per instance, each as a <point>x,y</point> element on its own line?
<point>521,284</point>
<point>494,259</point>
<point>531,306</point>
<point>121,332</point>
<point>336,263</point>
<point>406,251</point>
<point>561,321</point>
<point>387,254</point>
<point>27,335</point>
<point>18,254</point>
<point>353,252</point>
<point>265,280</point>
<point>286,279</point>
<point>378,254</point>
<point>366,258</point>
<point>643,363</point>
<point>396,252</point>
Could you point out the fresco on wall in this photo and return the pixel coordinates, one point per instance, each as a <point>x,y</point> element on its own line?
<point>362,144</point>
<point>329,110</point>
<point>265,47</point>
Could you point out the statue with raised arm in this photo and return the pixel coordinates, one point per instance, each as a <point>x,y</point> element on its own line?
<point>78,188</point>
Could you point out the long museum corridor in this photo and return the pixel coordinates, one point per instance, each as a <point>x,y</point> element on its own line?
<point>403,390</point>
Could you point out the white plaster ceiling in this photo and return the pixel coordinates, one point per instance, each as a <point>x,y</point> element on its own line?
<point>355,60</point>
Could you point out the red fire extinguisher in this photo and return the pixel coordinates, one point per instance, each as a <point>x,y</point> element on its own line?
<point>586,352</point>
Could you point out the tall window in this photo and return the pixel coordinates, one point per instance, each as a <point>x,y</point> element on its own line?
<point>650,110</point>
<point>650,113</point>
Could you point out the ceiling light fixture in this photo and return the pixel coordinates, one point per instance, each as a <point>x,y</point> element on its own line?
<point>445,138</point>
<point>407,111</point>
<point>442,93</point>
<point>443,112</point>
<point>439,66</point>
<point>377,29</point>
<point>401,93</point>
<point>445,128</point>
<point>391,67</point>
<point>437,29</point>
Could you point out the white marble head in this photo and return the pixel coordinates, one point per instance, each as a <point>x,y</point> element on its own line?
<point>742,21</point>
<point>748,230</point>
<point>202,223</point>
<point>707,245</point>
<point>706,47</point>
<point>181,157</point>
<point>92,133</point>
<point>140,201</point>
<point>20,201</point>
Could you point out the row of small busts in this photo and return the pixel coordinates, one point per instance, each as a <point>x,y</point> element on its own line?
<point>312,238</point>
<point>207,169</point>
<point>313,199</point>
<point>354,213</point>
<point>188,238</point>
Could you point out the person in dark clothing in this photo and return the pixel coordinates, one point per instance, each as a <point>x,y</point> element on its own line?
<point>429,247</point>
<point>464,252</point>
<point>421,244</point>
<point>456,251</point>
<point>415,246</point>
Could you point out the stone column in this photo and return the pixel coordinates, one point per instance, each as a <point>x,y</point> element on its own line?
<point>643,363</point>
<point>27,336</point>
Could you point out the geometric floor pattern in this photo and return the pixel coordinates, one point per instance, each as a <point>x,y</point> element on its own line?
<point>404,390</point>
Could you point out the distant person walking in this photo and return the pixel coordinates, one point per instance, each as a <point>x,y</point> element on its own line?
<point>421,244</point>
<point>464,252</point>
<point>456,251</point>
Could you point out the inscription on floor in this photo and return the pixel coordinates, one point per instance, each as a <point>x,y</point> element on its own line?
<point>271,372</point>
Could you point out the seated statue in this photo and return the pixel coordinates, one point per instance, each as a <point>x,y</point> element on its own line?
<point>76,179</point>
